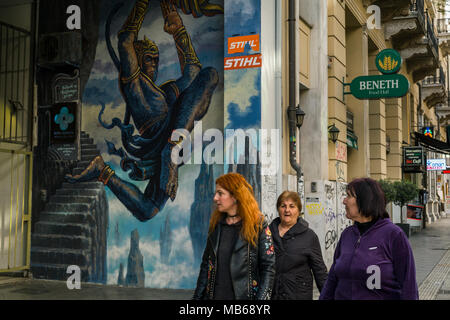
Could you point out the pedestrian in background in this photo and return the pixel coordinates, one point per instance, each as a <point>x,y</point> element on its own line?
<point>297,252</point>
<point>238,261</point>
<point>373,258</point>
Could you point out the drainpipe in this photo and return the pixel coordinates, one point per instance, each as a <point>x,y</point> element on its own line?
<point>438,124</point>
<point>292,91</point>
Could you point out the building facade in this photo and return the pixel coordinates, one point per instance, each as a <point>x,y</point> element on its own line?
<point>260,63</point>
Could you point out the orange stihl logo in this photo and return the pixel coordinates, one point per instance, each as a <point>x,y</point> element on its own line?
<point>253,61</point>
<point>237,44</point>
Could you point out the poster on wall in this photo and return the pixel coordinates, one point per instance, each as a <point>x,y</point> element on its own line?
<point>436,164</point>
<point>63,124</point>
<point>63,130</point>
<point>414,215</point>
<point>414,211</point>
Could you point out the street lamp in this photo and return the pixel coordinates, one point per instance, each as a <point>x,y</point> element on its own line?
<point>333,133</point>
<point>295,120</point>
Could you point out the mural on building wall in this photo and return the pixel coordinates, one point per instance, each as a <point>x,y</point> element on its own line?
<point>158,67</point>
<point>242,99</point>
<point>180,62</point>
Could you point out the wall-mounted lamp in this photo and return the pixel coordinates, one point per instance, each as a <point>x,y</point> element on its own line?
<point>333,133</point>
<point>299,117</point>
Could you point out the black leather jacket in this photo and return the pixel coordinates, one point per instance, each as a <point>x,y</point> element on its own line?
<point>252,269</point>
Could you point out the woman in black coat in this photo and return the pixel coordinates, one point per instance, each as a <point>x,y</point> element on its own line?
<point>297,252</point>
<point>238,261</point>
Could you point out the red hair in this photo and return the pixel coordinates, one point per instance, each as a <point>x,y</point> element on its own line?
<point>248,209</point>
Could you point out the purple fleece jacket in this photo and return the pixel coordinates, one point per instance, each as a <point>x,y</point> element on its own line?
<point>353,273</point>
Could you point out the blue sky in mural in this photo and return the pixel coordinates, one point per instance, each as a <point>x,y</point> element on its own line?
<point>242,86</point>
<point>206,34</point>
<point>243,17</point>
<point>251,116</point>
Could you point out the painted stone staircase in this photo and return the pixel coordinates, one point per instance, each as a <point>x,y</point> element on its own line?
<point>72,228</point>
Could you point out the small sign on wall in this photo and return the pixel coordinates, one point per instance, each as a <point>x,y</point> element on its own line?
<point>66,88</point>
<point>63,122</point>
<point>341,151</point>
<point>436,164</point>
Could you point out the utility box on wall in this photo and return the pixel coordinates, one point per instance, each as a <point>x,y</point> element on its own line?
<point>60,48</point>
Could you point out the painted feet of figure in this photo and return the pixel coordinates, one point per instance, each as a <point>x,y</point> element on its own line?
<point>93,171</point>
<point>169,173</point>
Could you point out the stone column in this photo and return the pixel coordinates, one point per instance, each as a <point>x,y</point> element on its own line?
<point>358,164</point>
<point>377,129</point>
<point>394,130</point>
<point>337,153</point>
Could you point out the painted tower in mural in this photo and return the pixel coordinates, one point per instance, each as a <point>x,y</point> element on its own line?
<point>201,210</point>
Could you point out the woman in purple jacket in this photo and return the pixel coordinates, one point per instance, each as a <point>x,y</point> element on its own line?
<point>373,259</point>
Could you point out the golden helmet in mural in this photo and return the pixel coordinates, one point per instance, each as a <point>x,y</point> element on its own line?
<point>145,46</point>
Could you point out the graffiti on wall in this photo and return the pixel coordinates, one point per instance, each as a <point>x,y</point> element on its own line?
<point>330,221</point>
<point>342,221</point>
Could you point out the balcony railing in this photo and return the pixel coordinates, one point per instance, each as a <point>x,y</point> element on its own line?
<point>431,36</point>
<point>443,25</point>
<point>417,7</point>
<point>436,79</point>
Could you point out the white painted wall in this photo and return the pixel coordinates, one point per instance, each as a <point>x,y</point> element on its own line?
<point>325,213</point>
<point>314,101</point>
<point>271,103</point>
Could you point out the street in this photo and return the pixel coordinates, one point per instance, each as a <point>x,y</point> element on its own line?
<point>431,248</point>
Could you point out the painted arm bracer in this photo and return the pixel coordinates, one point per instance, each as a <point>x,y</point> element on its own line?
<point>129,60</point>
<point>134,21</point>
<point>186,52</point>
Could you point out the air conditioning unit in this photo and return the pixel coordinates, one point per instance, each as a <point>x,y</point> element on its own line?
<point>60,48</point>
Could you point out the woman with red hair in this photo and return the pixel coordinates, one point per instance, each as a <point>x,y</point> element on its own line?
<point>238,261</point>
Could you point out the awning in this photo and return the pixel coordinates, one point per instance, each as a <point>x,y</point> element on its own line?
<point>352,140</point>
<point>434,144</point>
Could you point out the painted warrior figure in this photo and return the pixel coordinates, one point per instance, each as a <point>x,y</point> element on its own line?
<point>156,111</point>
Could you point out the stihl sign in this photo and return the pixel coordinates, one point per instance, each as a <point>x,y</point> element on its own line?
<point>237,44</point>
<point>243,62</point>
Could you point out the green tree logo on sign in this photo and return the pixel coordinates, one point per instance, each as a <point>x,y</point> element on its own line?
<point>388,61</point>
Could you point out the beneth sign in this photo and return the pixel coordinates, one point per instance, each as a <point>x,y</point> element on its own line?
<point>388,85</point>
<point>376,87</point>
<point>436,164</point>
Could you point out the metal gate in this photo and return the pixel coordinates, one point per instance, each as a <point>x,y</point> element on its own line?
<point>15,210</point>
<point>16,84</point>
<point>16,160</point>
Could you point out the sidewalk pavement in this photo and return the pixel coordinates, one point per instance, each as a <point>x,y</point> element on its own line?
<point>431,249</point>
<point>34,289</point>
